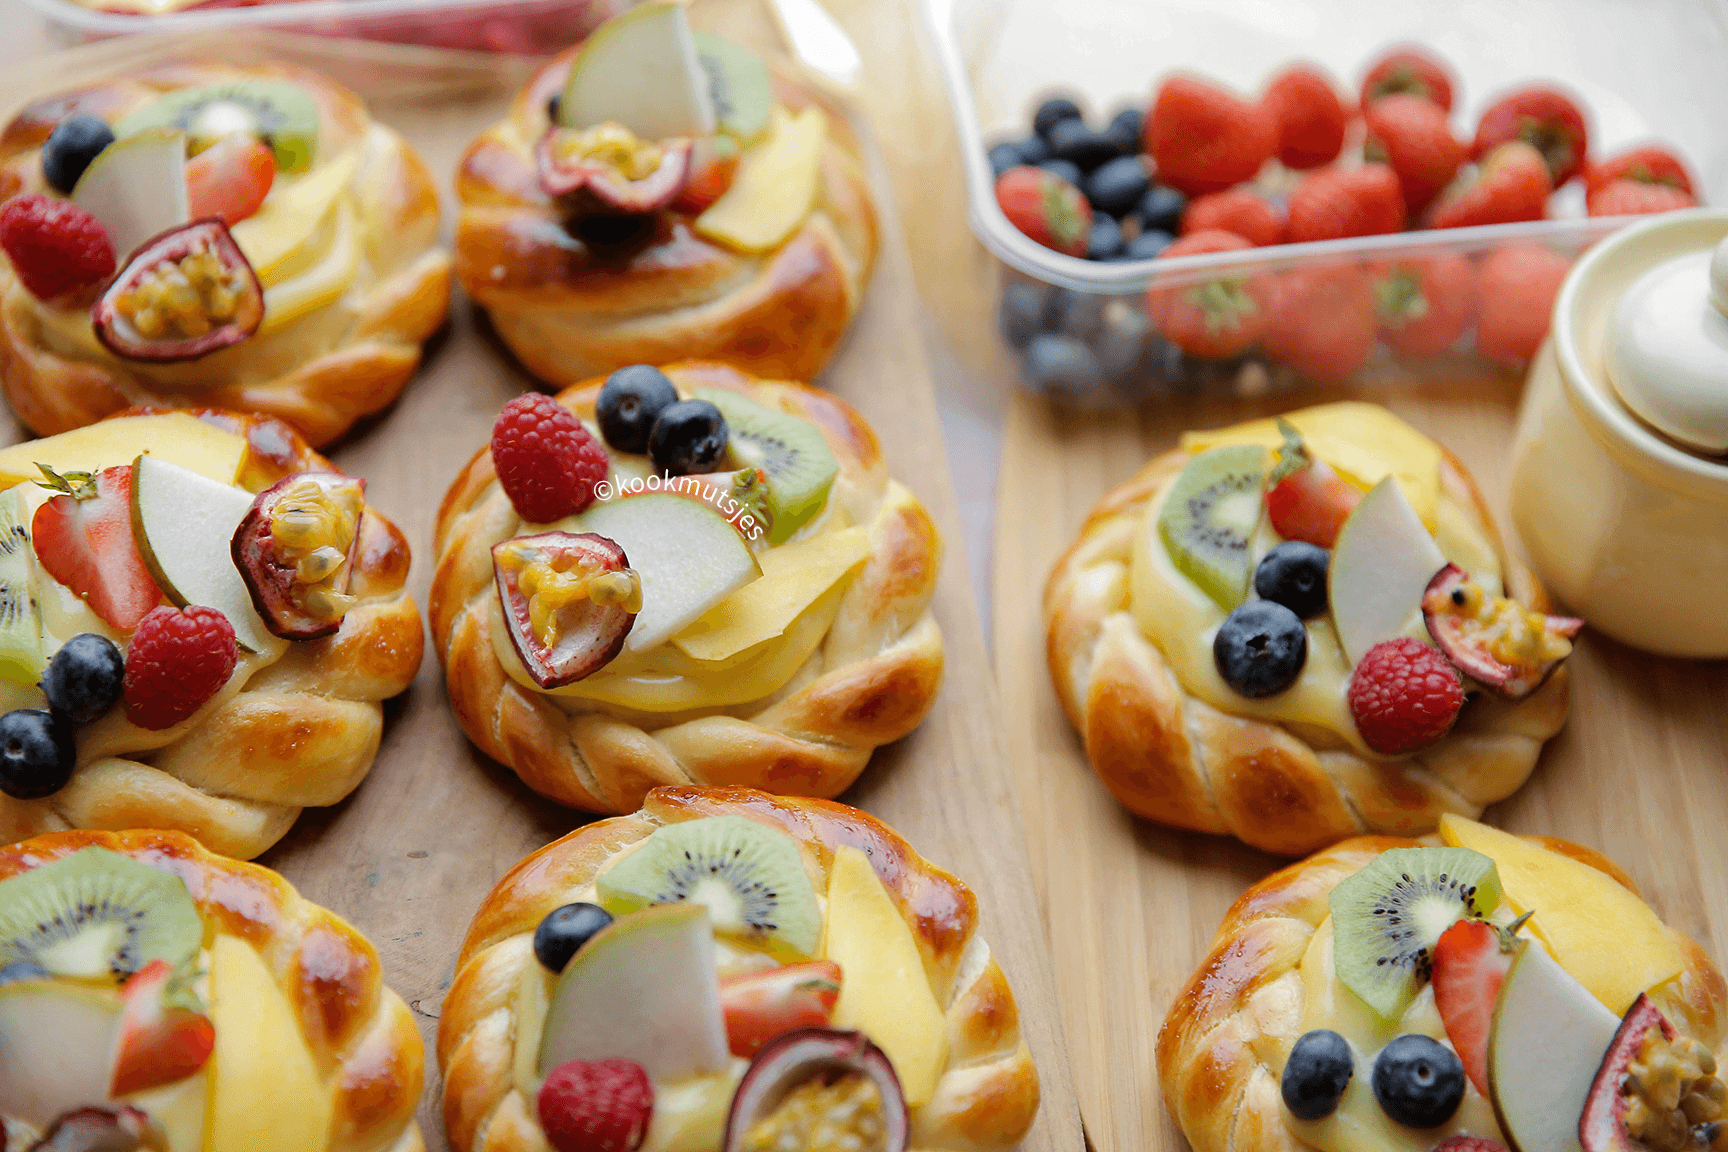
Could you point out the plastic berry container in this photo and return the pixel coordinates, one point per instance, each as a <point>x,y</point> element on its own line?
<point>1080,329</point>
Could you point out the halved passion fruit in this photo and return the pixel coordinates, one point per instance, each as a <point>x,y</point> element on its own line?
<point>569,601</point>
<point>296,548</point>
<point>609,170</point>
<point>184,294</point>
<point>118,1129</point>
<point>1494,639</point>
<point>1656,1090</point>
<point>820,1089</point>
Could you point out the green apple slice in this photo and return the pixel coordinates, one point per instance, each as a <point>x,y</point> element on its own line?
<point>1381,564</point>
<point>57,1046</point>
<point>137,188</point>
<point>641,70</point>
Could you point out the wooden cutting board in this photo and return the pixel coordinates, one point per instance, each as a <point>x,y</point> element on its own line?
<point>409,857</point>
<point>1640,771</point>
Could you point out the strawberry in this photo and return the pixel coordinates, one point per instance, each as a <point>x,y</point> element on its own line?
<point>1546,119</point>
<point>1046,208</point>
<point>1309,118</point>
<point>1411,70</point>
<point>164,1034</point>
<point>1519,284</point>
<point>1411,134</point>
<point>1238,211</point>
<point>1205,139</point>
<point>1470,961</point>
<point>59,252</point>
<point>1403,696</point>
<point>547,462</point>
<point>1648,164</point>
<point>230,178</point>
<point>176,661</point>
<point>762,1005</point>
<point>1511,184</point>
<point>1322,322</point>
<point>596,1106</point>
<point>1636,198</point>
<point>83,538</point>
<point>1338,202</point>
<point>713,163</point>
<point>1425,303</point>
<point>1220,317</point>
<point>1305,499</point>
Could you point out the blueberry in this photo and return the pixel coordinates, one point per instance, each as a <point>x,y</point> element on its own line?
<point>1260,648</point>
<point>19,971</point>
<point>1003,157</point>
<point>552,106</point>
<point>1082,313</point>
<point>1116,186</point>
<point>36,753</point>
<point>1418,1081</point>
<point>1033,150</point>
<point>1021,313</point>
<point>1066,169</point>
<point>1053,112</point>
<point>1072,140</point>
<point>1122,342</point>
<point>1125,128</point>
<point>1294,574</point>
<point>689,437</point>
<point>1316,1074</point>
<point>564,931</point>
<point>84,678</point>
<point>630,400</point>
<point>70,148</point>
<point>1106,239</point>
<point>1146,245</point>
<point>1161,208</point>
<point>1062,366</point>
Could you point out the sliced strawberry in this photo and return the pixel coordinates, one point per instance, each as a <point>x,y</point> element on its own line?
<point>1307,500</point>
<point>1470,961</point>
<point>83,539</point>
<point>764,1005</point>
<point>230,178</point>
<point>713,163</point>
<point>164,1034</point>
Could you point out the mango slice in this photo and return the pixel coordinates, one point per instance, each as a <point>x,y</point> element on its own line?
<point>793,576</point>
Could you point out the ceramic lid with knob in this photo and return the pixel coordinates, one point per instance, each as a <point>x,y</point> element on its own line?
<point>1668,349</point>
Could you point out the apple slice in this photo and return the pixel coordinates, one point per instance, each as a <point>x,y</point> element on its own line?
<point>184,524</point>
<point>1544,1048</point>
<point>645,988</point>
<point>1381,566</point>
<point>641,70</point>
<point>688,556</point>
<point>57,1044</point>
<point>137,188</point>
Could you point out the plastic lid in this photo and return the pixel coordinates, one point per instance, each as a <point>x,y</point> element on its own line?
<point>1668,349</point>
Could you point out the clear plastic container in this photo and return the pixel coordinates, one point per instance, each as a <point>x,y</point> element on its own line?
<point>1645,71</point>
<point>520,27</point>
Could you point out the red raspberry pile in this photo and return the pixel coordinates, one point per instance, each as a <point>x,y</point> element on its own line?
<point>596,1106</point>
<point>1404,695</point>
<point>547,462</point>
<point>178,659</point>
<point>58,250</point>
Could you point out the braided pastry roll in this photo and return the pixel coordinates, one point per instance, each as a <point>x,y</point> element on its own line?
<point>329,1055</point>
<point>300,730</point>
<point>353,279</point>
<point>1180,757</point>
<point>986,1093</point>
<point>602,743</point>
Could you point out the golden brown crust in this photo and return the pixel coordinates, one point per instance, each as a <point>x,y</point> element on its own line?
<point>299,733</point>
<point>988,1093</point>
<point>569,312</point>
<point>871,681</point>
<point>1220,1091</point>
<point>1171,757</point>
<point>359,1032</point>
<point>321,373</point>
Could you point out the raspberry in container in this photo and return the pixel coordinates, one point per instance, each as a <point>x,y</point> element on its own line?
<point>1204,197</point>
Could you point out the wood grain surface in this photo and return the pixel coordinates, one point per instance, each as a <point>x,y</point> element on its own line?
<point>410,855</point>
<point>1640,771</point>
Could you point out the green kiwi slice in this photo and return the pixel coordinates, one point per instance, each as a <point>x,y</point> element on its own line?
<point>750,876</point>
<point>789,451</point>
<point>21,658</point>
<point>281,114</point>
<point>738,86</point>
<point>1387,918</point>
<point>1209,519</point>
<point>97,914</point>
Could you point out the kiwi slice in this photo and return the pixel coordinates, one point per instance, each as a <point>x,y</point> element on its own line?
<point>21,657</point>
<point>751,878</point>
<point>790,451</point>
<point>1387,917</point>
<point>738,86</point>
<point>96,915</point>
<point>277,112</point>
<point>1209,519</point>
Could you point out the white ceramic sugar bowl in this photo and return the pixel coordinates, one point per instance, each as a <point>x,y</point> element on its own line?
<point>1620,467</point>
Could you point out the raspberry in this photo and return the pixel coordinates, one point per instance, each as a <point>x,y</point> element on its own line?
<point>178,659</point>
<point>596,1106</point>
<point>56,248</point>
<point>1469,1144</point>
<point>547,461</point>
<point>1404,695</point>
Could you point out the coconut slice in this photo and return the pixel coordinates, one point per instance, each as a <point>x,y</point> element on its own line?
<point>826,1055</point>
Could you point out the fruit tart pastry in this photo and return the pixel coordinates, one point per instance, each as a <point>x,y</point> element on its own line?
<point>1498,992</point>
<point>205,234</point>
<point>199,621</point>
<point>154,995</point>
<point>729,971</point>
<point>1296,630</point>
<point>656,195</point>
<point>688,576</point>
